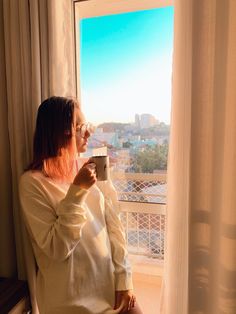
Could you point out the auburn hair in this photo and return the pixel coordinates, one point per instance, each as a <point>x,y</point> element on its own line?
<point>54,146</point>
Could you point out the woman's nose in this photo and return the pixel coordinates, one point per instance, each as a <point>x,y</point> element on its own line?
<point>87,134</point>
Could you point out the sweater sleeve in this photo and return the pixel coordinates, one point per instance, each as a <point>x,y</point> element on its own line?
<point>56,231</point>
<point>123,273</point>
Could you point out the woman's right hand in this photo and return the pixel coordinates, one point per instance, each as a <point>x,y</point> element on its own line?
<point>86,176</point>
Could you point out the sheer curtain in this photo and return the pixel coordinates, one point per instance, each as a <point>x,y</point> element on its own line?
<point>36,62</point>
<point>200,264</point>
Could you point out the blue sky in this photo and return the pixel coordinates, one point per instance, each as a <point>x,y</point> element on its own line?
<point>126,64</point>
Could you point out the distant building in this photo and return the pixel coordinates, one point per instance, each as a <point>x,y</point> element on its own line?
<point>145,121</point>
<point>137,121</point>
<point>99,130</point>
<point>100,138</point>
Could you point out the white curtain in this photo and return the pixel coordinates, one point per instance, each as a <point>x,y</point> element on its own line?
<point>200,263</point>
<point>36,60</point>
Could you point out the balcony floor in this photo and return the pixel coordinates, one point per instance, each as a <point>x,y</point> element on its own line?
<point>147,278</point>
<point>147,289</point>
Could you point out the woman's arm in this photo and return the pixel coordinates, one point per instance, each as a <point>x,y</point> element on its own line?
<point>123,273</point>
<point>56,231</point>
<point>124,297</point>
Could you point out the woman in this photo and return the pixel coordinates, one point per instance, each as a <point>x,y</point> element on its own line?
<point>73,221</point>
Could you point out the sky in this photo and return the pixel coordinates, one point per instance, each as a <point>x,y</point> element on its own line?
<point>126,65</point>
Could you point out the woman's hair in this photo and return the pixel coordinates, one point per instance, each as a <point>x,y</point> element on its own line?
<point>54,147</point>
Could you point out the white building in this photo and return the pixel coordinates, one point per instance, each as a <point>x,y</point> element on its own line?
<point>145,121</point>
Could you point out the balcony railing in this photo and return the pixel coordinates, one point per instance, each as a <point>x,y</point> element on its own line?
<point>143,206</point>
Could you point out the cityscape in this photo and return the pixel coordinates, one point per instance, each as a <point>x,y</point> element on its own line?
<point>138,147</point>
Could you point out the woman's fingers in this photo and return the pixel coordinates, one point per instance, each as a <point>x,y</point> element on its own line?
<point>132,302</point>
<point>128,303</point>
<point>86,176</point>
<point>124,301</point>
<point>92,167</point>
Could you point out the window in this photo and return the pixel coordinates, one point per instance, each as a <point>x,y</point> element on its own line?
<point>116,43</point>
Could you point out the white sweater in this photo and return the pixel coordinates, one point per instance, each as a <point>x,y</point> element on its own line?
<point>78,243</point>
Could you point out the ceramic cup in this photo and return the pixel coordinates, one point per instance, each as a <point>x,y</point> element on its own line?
<point>102,167</point>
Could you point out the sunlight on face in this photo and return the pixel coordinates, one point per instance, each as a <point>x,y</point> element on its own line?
<point>81,142</point>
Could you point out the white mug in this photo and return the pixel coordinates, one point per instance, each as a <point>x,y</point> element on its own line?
<point>102,167</point>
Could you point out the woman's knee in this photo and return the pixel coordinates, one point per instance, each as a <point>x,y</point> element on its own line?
<point>135,310</point>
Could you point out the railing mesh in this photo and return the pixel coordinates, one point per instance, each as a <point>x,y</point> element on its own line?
<point>144,230</point>
<point>145,234</point>
<point>149,188</point>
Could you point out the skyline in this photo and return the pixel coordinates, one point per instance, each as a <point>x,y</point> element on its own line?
<point>126,63</point>
<point>141,118</point>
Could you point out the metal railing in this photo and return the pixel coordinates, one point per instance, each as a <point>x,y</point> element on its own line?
<point>143,207</point>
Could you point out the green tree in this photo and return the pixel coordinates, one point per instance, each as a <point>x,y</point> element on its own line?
<point>127,144</point>
<point>152,158</point>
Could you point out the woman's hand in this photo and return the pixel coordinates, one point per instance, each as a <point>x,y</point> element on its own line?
<point>86,176</point>
<point>124,300</point>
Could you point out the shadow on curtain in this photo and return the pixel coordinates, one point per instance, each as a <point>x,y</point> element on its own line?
<point>200,265</point>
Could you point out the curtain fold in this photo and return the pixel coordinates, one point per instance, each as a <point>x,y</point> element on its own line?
<point>200,265</point>
<point>7,245</point>
<point>38,61</point>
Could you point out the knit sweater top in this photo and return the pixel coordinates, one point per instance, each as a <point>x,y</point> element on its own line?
<point>78,243</point>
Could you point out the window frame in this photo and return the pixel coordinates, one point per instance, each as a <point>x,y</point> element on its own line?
<point>96,8</point>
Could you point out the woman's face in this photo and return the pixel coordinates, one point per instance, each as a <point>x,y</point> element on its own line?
<point>81,139</point>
